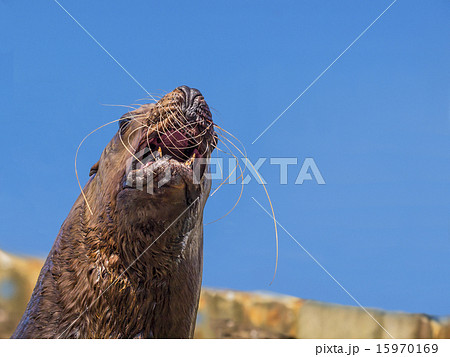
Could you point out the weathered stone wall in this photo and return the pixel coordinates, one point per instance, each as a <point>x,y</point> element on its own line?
<point>234,314</point>
<point>17,279</point>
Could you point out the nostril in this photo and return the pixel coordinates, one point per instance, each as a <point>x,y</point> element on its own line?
<point>191,114</point>
<point>189,95</point>
<point>194,94</point>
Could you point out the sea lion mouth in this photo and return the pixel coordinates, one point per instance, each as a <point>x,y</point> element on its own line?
<point>177,140</point>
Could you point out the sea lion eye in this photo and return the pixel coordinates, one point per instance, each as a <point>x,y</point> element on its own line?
<point>124,121</point>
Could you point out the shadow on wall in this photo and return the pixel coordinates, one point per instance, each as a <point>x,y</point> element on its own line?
<point>233,314</point>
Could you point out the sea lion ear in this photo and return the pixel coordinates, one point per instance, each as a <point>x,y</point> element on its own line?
<point>94,169</point>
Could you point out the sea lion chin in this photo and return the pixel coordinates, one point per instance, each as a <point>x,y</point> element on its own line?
<point>127,261</point>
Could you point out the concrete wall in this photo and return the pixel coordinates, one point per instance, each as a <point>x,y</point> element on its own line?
<point>234,314</point>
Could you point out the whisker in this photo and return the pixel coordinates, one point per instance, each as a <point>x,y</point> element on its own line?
<point>224,137</point>
<point>265,189</point>
<point>76,157</point>
<point>232,172</point>
<point>129,136</point>
<point>119,105</point>
<point>126,148</point>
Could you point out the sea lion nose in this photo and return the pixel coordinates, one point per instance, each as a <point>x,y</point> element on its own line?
<point>189,95</point>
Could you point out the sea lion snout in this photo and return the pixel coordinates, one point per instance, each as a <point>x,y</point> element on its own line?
<point>190,94</point>
<point>194,103</point>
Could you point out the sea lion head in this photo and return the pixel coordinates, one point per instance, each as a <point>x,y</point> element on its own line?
<point>157,163</point>
<point>127,261</point>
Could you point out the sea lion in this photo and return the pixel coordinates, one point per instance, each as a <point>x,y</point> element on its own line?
<point>127,262</point>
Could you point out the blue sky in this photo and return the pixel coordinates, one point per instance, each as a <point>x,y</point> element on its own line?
<point>376,124</point>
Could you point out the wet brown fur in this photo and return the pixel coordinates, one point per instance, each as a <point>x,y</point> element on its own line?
<point>85,289</point>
